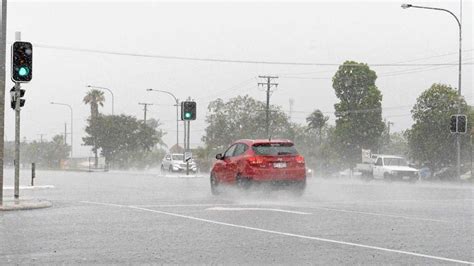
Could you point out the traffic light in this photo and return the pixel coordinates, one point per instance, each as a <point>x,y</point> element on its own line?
<point>453,124</point>
<point>13,98</point>
<point>462,124</point>
<point>188,110</point>
<point>22,61</point>
<point>458,124</point>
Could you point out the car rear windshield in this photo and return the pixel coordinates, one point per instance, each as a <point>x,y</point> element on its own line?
<point>274,149</point>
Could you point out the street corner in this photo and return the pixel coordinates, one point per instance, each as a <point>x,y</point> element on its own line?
<point>24,204</point>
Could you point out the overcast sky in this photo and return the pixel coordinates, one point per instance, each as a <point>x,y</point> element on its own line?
<point>315,32</point>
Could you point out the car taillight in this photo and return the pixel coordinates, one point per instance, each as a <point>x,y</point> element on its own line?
<point>299,159</point>
<point>255,161</point>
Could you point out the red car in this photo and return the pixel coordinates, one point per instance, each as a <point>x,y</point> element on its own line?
<point>259,161</point>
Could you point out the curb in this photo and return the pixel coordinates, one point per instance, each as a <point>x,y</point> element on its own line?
<point>24,205</point>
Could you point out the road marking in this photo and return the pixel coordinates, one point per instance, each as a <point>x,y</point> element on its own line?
<point>187,205</point>
<point>255,209</point>
<point>375,214</point>
<point>30,187</point>
<point>286,234</point>
<point>389,201</point>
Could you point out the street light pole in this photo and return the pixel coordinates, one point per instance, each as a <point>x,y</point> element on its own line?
<point>107,89</point>
<point>72,128</point>
<point>177,112</point>
<point>458,136</point>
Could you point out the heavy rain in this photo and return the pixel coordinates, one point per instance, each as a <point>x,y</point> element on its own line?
<point>248,132</point>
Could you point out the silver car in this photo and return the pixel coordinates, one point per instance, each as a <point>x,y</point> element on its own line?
<point>175,163</point>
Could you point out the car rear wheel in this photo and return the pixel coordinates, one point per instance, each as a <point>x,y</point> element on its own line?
<point>243,182</point>
<point>298,188</point>
<point>214,185</point>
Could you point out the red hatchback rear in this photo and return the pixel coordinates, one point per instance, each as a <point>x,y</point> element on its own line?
<point>247,162</point>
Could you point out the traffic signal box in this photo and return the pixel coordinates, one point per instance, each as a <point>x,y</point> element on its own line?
<point>22,61</point>
<point>458,124</point>
<point>188,110</point>
<point>13,98</point>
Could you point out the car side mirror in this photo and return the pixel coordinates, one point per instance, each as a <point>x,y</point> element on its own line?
<point>219,156</point>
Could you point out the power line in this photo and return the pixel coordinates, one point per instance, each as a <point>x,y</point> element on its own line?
<point>219,60</point>
<point>236,86</point>
<point>239,90</point>
<point>431,57</point>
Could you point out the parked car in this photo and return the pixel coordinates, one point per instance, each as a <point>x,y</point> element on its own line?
<point>175,163</point>
<point>389,167</point>
<point>247,162</point>
<point>386,167</point>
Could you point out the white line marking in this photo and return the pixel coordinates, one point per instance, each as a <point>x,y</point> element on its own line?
<point>187,205</point>
<point>390,201</point>
<point>375,214</point>
<point>255,209</point>
<point>287,234</point>
<point>31,187</point>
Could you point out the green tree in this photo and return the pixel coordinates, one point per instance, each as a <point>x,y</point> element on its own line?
<point>94,98</point>
<point>429,138</point>
<point>124,141</point>
<point>239,118</point>
<point>359,122</point>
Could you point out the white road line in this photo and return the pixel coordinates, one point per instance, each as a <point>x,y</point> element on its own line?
<point>288,234</point>
<point>375,214</point>
<point>390,201</point>
<point>31,187</point>
<point>288,211</point>
<point>187,205</point>
<point>255,209</point>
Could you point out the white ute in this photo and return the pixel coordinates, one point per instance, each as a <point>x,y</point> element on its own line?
<point>389,167</point>
<point>386,167</point>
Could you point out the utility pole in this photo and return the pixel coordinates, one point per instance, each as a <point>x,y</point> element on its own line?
<point>65,134</point>
<point>269,86</point>
<point>292,102</point>
<point>3,43</point>
<point>145,108</point>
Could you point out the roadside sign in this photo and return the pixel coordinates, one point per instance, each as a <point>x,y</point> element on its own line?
<point>188,156</point>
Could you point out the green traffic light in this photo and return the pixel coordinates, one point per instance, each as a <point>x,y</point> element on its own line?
<point>187,115</point>
<point>23,71</point>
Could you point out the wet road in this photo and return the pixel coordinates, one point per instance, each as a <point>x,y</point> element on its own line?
<point>136,217</point>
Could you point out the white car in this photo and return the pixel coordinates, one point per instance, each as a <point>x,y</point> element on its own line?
<point>175,163</point>
<point>390,168</point>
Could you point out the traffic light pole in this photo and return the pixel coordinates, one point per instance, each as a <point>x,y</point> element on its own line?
<point>17,132</point>
<point>17,140</point>
<point>188,128</point>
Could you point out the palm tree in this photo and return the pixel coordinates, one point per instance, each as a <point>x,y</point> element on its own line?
<point>317,120</point>
<point>95,98</point>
